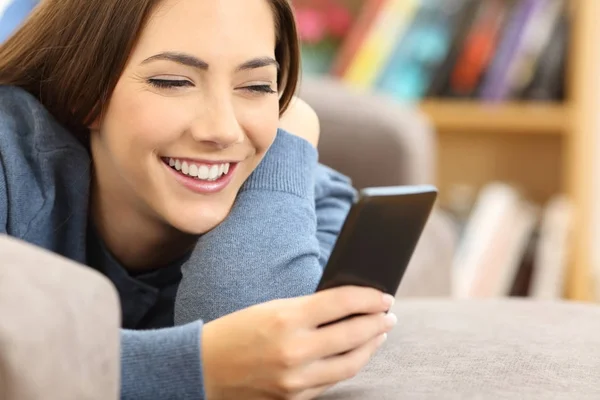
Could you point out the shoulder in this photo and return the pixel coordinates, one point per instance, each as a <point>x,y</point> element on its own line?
<point>301,120</point>
<point>24,118</point>
<point>41,164</point>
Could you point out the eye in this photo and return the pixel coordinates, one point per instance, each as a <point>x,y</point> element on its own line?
<point>260,89</point>
<point>169,83</point>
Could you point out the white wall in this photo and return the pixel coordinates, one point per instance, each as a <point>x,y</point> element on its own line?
<point>3,5</point>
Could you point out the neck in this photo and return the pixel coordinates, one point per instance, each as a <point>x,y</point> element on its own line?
<point>137,240</point>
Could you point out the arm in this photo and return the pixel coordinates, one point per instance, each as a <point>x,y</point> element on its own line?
<point>334,196</point>
<point>279,236</point>
<point>271,245</point>
<point>162,364</point>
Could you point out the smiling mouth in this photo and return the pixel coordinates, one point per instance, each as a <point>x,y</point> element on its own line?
<point>200,171</point>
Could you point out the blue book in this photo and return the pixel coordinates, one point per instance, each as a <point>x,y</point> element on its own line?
<point>420,51</point>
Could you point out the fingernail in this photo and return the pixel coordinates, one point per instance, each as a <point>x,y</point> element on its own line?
<point>382,339</point>
<point>390,320</point>
<point>388,300</point>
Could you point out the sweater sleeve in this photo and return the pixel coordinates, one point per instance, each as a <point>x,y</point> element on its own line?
<point>276,239</point>
<point>3,199</point>
<point>162,364</point>
<point>334,195</point>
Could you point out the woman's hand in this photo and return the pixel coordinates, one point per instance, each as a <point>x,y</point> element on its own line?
<point>301,120</point>
<point>278,350</point>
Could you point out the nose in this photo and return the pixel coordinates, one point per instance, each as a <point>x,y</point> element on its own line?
<point>218,125</point>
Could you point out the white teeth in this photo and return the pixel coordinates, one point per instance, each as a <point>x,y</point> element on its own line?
<point>214,172</point>
<point>203,172</point>
<point>200,171</point>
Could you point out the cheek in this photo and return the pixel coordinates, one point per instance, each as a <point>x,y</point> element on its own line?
<point>146,120</point>
<point>261,123</point>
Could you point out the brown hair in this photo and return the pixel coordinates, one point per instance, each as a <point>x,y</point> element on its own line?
<point>69,54</point>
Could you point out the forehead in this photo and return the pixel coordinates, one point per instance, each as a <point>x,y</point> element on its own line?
<point>214,30</point>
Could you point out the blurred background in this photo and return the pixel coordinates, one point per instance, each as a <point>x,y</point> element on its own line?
<point>510,88</point>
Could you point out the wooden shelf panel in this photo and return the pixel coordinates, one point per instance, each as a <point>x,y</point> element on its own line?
<point>509,118</point>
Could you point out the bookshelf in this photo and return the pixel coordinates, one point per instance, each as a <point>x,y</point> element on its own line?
<point>507,118</point>
<point>542,147</point>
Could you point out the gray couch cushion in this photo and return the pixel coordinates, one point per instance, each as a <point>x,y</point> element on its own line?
<point>59,328</point>
<point>494,349</point>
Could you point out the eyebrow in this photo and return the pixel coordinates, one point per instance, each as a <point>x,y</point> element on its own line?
<point>194,62</point>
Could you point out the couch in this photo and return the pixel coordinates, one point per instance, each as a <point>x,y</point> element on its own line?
<point>442,348</point>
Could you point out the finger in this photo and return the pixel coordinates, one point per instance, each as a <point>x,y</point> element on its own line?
<point>348,335</point>
<point>334,304</point>
<point>336,369</point>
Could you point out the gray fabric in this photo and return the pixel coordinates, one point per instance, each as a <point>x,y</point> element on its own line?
<point>429,271</point>
<point>484,350</point>
<point>371,138</point>
<point>59,328</point>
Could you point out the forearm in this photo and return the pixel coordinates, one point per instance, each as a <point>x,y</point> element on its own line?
<point>276,240</point>
<point>162,364</point>
<point>267,248</point>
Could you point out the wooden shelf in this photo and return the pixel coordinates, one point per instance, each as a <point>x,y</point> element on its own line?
<point>510,118</point>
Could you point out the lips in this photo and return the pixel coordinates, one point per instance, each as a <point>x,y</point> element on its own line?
<point>199,177</point>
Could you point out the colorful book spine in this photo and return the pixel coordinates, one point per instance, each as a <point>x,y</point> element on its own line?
<point>495,85</point>
<point>377,48</point>
<point>479,48</point>
<point>535,40</point>
<point>421,51</point>
<point>353,42</point>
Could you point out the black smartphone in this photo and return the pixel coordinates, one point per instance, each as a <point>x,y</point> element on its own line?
<point>379,237</point>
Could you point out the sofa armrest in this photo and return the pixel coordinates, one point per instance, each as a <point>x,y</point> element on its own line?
<point>372,139</point>
<point>59,332</point>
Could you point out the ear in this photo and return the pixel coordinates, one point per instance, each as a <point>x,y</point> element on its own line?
<point>94,126</point>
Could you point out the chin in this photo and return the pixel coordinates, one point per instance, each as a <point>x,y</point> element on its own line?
<point>200,222</point>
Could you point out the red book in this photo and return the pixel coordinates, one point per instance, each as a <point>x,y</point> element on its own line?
<point>479,47</point>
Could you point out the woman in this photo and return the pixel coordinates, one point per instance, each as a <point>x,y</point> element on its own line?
<point>142,138</point>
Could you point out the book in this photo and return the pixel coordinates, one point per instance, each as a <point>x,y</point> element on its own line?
<point>420,51</point>
<point>377,47</point>
<point>552,250</point>
<point>479,47</point>
<point>463,19</point>
<point>355,39</point>
<point>492,50</point>
<point>535,39</point>
<point>494,242</point>
<point>495,83</point>
<point>548,81</point>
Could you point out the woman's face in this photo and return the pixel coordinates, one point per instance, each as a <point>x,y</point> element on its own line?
<point>193,113</point>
